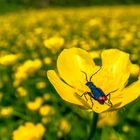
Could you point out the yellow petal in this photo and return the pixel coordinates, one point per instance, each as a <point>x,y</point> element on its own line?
<point>100,108</point>
<point>71,62</point>
<point>115,70</point>
<point>66,92</point>
<point>130,93</point>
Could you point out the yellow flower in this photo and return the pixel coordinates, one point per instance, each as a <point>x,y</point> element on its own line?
<point>47,60</point>
<point>38,30</point>
<point>45,120</point>
<point>9,59</point>
<point>40,85</point>
<point>110,119</point>
<point>46,110</point>
<point>46,96</point>
<point>134,70</point>
<point>26,69</point>
<point>74,64</point>
<point>29,131</point>
<point>21,91</point>
<point>6,111</point>
<point>95,22</point>
<point>35,105</point>
<point>54,43</point>
<point>126,128</point>
<point>63,128</point>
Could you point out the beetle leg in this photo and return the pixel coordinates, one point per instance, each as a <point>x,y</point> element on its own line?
<point>84,94</point>
<point>90,95</point>
<point>108,95</point>
<point>109,102</point>
<point>85,97</point>
<point>91,102</point>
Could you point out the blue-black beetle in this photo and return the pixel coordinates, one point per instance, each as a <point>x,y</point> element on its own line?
<point>96,93</point>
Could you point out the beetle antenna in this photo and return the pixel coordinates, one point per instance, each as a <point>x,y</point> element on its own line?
<point>85,75</point>
<point>95,73</point>
<point>111,92</point>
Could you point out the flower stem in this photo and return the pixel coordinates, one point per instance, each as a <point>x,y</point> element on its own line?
<point>93,126</point>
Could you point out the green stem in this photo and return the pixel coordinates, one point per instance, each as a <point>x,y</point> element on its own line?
<point>93,126</point>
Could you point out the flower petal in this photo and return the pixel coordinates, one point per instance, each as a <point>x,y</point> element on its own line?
<point>100,108</point>
<point>130,93</point>
<point>115,70</point>
<point>71,62</point>
<point>66,92</point>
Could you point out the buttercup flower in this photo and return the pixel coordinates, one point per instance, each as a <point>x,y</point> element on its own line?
<point>46,110</point>
<point>26,69</point>
<point>64,127</point>
<point>29,131</point>
<point>9,59</point>
<point>134,70</point>
<point>108,120</point>
<point>54,43</point>
<point>36,104</point>
<point>21,91</point>
<point>6,111</point>
<point>76,67</point>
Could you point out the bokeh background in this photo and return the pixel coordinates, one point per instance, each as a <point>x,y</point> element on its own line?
<point>32,34</point>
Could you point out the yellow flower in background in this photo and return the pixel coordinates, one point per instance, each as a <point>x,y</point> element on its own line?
<point>45,119</point>
<point>127,38</point>
<point>95,22</point>
<point>64,127</point>
<point>135,70</point>
<point>46,96</point>
<point>26,69</point>
<point>110,119</point>
<point>9,59</point>
<point>47,60</point>
<point>21,91</point>
<point>54,43</point>
<point>40,85</point>
<point>6,111</point>
<point>46,110</point>
<point>75,64</point>
<point>126,128</point>
<point>29,131</point>
<point>38,30</point>
<point>35,105</point>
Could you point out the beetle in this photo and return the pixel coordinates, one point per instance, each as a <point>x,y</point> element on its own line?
<point>96,93</point>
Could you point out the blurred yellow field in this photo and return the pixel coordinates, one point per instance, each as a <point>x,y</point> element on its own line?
<point>30,42</point>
